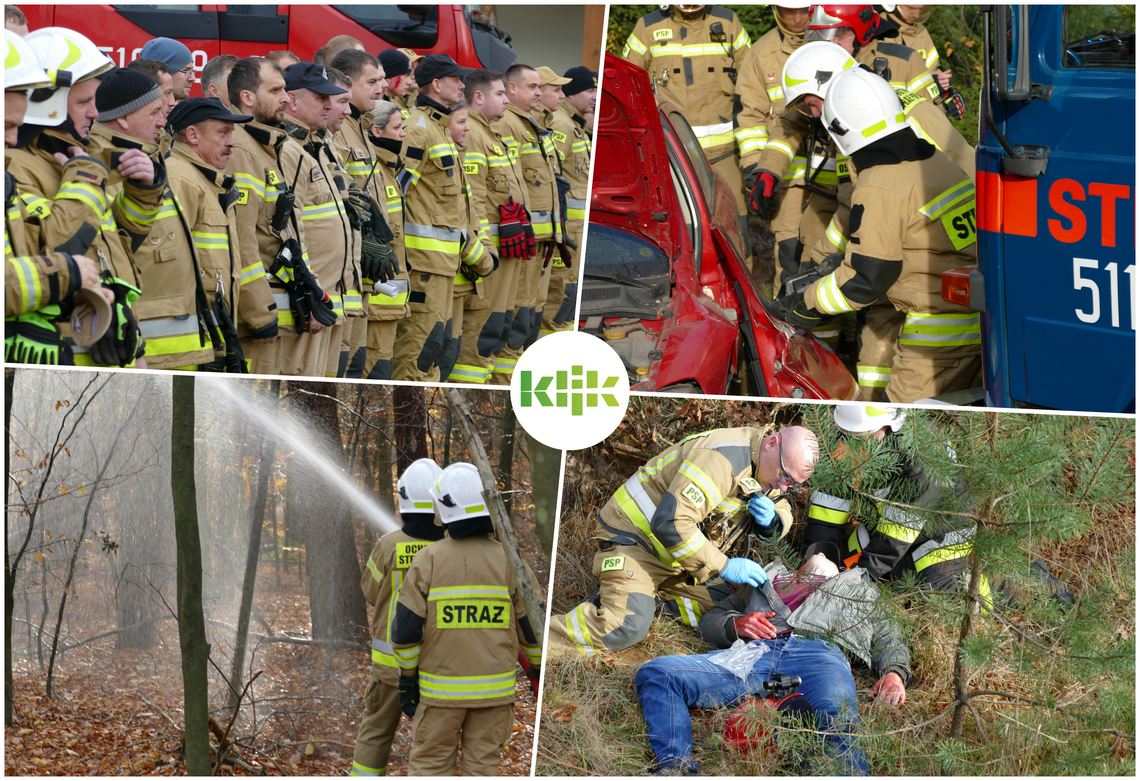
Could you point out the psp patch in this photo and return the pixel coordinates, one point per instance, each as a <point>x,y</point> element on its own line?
<point>611,563</point>
<point>472,614</point>
<point>471,169</point>
<point>694,495</point>
<point>406,551</point>
<point>243,196</point>
<point>749,485</point>
<point>662,35</point>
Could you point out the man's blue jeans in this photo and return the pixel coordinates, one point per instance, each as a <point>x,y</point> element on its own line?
<point>670,685</point>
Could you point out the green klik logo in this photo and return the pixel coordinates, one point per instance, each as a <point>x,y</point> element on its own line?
<point>530,391</point>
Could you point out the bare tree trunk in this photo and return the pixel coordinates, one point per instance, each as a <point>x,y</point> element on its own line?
<point>384,464</point>
<point>545,469</point>
<point>499,515</point>
<point>409,408</point>
<point>9,578</point>
<point>253,551</point>
<point>191,621</point>
<point>507,453</point>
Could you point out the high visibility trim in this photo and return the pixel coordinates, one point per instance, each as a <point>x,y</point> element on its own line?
<point>836,236</point>
<point>781,146</point>
<point>408,658</point>
<point>361,770</point>
<point>932,57</point>
<point>284,311</point>
<point>729,504</point>
<point>660,463</point>
<point>630,506</point>
<point>461,592</point>
<point>576,629</point>
<point>710,488</point>
<point>897,531</point>
<point>32,291</point>
<point>135,211</point>
<point>353,300</point>
<point>901,517</point>
<point>705,131</point>
<point>635,45</point>
<point>775,93</point>
<point>203,240</point>
<point>533,653</point>
<point>688,50</point>
<point>376,574</point>
<point>320,210</point>
<point>941,330</point>
<point>873,376</point>
<point>943,554</point>
<point>87,193</point>
<point>467,687</point>
<point>827,515</point>
<point>249,182</point>
<point>252,272</point>
<point>828,297</point>
<point>464,373</point>
<point>920,82</point>
<point>442,150</point>
<point>687,548</point>
<point>948,199</point>
<point>36,206</point>
<point>168,208</point>
<point>403,287</point>
<point>742,41</point>
<point>690,611</point>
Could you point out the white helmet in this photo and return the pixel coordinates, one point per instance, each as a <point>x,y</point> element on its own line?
<point>22,69</point>
<point>458,493</point>
<point>790,4</point>
<point>860,108</point>
<point>69,58</point>
<point>864,419</point>
<point>414,486</point>
<point>810,67</point>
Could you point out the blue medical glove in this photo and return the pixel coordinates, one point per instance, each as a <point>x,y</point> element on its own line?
<point>744,571</point>
<point>763,510</point>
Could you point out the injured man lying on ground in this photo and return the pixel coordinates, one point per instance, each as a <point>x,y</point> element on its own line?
<point>801,624</point>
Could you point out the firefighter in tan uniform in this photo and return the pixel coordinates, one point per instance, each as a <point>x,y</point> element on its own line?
<point>498,197</point>
<point>530,143</point>
<point>460,622</point>
<point>910,20</point>
<point>130,116</point>
<point>265,318</point>
<point>382,579</point>
<point>435,220</point>
<point>912,217</point>
<point>572,143</point>
<point>692,54</point>
<point>205,196</point>
<point>390,286</point>
<point>651,542</point>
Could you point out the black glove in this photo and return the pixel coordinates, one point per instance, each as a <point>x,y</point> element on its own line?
<point>318,303</point>
<point>378,262</point>
<point>952,102</point>
<point>119,346</point>
<point>235,357</point>
<point>762,197</point>
<point>796,312</point>
<point>357,204</point>
<point>409,694</point>
<point>516,236</point>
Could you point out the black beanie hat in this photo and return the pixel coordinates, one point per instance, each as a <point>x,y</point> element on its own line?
<point>395,63</point>
<point>124,91</point>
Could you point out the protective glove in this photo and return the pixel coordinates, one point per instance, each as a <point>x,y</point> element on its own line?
<point>378,262</point>
<point>119,346</point>
<point>235,357</point>
<point>744,571</point>
<point>409,694</point>
<point>514,239</point>
<point>762,198</point>
<point>566,250</point>
<point>318,303</point>
<point>826,266</point>
<point>953,102</point>
<point>358,205</point>
<point>797,313</point>
<point>476,271</point>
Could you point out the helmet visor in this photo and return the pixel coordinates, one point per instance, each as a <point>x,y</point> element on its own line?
<point>826,33</point>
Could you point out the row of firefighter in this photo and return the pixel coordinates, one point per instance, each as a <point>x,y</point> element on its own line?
<point>392,217</point>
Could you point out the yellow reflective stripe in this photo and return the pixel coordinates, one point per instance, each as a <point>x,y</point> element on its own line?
<point>718,139</point>
<point>712,493</point>
<point>873,376</point>
<point>204,240</point>
<point>920,82</point>
<point>577,630</point>
<point>689,50</point>
<point>775,93</point>
<point>638,519</point>
<point>690,611</point>
<point>408,658</point>
<point>319,210</point>
<point>36,206</point>
<point>781,146</point>
<point>944,554</point>
<point>660,463</point>
<point>441,150</point>
<point>376,574</point>
<point>949,330</point>
<point>363,770</point>
<point>687,548</point>
<point>636,45</point>
<point>460,592</point>
<point>729,504</point>
<point>379,299</point>
<point>87,193</point>
<point>828,515</point>
<point>742,41</point>
<point>466,687</point>
<point>897,531</point>
<point>828,297</point>
<point>947,200</point>
<point>252,272</point>
<point>533,653</point>
<point>465,373</point>
<point>167,209</point>
<point>431,245</point>
<point>835,235</point>
<point>135,211</point>
<point>29,281</point>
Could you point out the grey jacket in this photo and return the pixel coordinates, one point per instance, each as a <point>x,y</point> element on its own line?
<point>843,610</point>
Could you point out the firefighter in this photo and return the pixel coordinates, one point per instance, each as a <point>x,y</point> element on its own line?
<point>388,301</point>
<point>435,227</point>
<point>651,542</point>
<point>498,193</point>
<point>693,54</point>
<point>524,136</point>
<point>178,58</point>
<point>460,621</point>
<point>806,75</point>
<point>205,196</point>
<point>131,116</point>
<point>399,82</point>
<point>787,159</point>
<point>214,76</point>
<point>62,179</point>
<point>322,227</point>
<point>367,79</point>
<point>911,21</point>
<point>912,217</point>
<point>40,289</point>
<point>572,146</point>
<point>387,568</point>
<point>761,99</point>
<point>159,72</point>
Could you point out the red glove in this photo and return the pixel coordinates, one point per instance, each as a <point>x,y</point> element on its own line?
<point>762,198</point>
<point>516,236</point>
<point>755,626</point>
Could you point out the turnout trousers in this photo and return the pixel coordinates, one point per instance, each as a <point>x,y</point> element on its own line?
<point>436,733</point>
<point>377,729</point>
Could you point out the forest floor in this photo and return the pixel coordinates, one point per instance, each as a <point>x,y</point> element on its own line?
<point>119,712</point>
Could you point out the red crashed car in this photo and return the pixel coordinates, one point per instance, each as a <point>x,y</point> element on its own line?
<point>664,282</point>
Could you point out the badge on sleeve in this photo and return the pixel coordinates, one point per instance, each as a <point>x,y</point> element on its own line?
<point>749,486</point>
<point>694,495</point>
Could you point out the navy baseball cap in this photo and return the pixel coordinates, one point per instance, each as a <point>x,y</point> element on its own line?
<point>306,75</point>
<point>194,110</point>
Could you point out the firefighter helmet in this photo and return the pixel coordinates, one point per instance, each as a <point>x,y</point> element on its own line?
<point>866,418</point>
<point>414,486</point>
<point>69,58</point>
<point>790,4</point>
<point>22,69</point>
<point>828,20</point>
<point>810,67</point>
<point>458,493</point>
<point>860,108</point>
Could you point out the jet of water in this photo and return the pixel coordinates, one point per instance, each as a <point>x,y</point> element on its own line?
<point>269,421</point>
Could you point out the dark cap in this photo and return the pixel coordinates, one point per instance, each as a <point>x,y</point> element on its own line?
<point>194,110</point>
<point>124,91</point>
<point>438,66</point>
<point>306,75</point>
<point>828,549</point>
<point>581,79</point>
<point>395,63</point>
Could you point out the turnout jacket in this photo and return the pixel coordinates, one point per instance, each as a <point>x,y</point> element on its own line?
<point>435,209</point>
<point>573,147</point>
<point>255,162</point>
<point>494,175</point>
<point>382,580</point>
<point>523,136</point>
<point>381,306</point>
<point>843,610</point>
<point>335,160</point>
<point>664,505</point>
<point>460,621</point>
<point>917,37</point>
<point>695,68</point>
<point>760,93</point>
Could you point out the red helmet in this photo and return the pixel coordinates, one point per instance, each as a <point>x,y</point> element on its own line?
<point>747,728</point>
<point>828,20</point>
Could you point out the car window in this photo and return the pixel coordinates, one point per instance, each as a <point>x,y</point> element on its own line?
<point>402,26</point>
<point>616,252</point>
<point>1100,36</point>
<point>697,159</point>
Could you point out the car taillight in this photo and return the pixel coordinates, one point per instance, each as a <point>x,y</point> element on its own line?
<point>964,287</point>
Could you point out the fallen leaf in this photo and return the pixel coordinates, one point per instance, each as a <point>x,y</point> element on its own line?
<point>25,731</point>
<point>309,749</point>
<point>563,715</point>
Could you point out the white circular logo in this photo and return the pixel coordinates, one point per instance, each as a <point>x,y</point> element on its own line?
<point>569,390</point>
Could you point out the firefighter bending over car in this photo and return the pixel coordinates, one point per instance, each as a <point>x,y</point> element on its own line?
<point>660,535</point>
